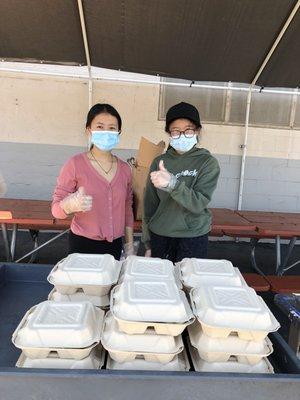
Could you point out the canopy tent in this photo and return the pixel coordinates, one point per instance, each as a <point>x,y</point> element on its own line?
<point>199,40</point>
<point>251,41</point>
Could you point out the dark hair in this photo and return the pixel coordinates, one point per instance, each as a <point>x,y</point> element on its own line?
<point>102,109</point>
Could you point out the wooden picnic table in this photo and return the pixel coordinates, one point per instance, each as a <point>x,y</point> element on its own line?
<point>35,215</point>
<point>226,219</point>
<point>258,217</point>
<point>272,225</point>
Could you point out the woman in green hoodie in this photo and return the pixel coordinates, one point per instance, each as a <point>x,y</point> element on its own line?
<point>179,188</point>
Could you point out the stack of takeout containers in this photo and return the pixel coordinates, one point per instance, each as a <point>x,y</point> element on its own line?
<point>60,335</point>
<point>202,272</point>
<point>84,277</point>
<point>230,334</point>
<point>148,313</point>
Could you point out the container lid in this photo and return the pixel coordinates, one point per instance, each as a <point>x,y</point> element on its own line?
<point>150,301</point>
<point>232,345</point>
<point>98,301</point>
<point>59,325</point>
<point>237,308</point>
<point>86,269</point>
<point>142,267</point>
<point>232,365</point>
<point>196,272</point>
<point>115,340</point>
<point>94,361</point>
<point>179,363</point>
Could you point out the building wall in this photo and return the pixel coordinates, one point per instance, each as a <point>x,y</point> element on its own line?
<point>42,123</point>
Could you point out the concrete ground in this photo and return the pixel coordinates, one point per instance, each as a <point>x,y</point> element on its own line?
<point>237,253</point>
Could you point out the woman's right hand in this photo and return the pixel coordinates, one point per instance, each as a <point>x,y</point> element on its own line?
<point>77,202</point>
<point>148,253</point>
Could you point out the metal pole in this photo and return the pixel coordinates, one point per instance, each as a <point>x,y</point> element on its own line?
<point>87,52</point>
<point>6,242</point>
<point>244,147</point>
<point>42,245</point>
<point>149,82</point>
<point>259,72</point>
<point>13,241</point>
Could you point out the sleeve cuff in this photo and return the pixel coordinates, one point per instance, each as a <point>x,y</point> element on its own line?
<point>172,184</point>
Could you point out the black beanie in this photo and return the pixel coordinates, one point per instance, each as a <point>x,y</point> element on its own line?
<point>183,110</point>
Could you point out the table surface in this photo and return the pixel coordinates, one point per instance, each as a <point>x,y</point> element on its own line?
<point>39,212</point>
<point>269,217</point>
<point>258,223</point>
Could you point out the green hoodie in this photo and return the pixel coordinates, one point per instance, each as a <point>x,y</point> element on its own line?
<point>183,212</point>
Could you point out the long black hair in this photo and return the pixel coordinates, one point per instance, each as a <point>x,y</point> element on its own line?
<point>103,109</point>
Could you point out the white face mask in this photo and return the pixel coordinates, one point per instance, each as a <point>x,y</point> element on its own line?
<point>105,140</point>
<point>183,144</point>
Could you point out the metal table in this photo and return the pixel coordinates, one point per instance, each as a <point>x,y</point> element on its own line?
<point>23,285</point>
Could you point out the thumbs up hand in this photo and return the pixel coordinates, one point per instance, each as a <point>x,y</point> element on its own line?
<point>162,178</point>
<point>76,202</point>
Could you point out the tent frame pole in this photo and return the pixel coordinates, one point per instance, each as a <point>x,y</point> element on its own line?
<point>87,53</point>
<point>249,97</point>
<point>149,82</point>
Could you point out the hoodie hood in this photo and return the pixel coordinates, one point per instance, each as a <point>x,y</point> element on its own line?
<point>194,152</point>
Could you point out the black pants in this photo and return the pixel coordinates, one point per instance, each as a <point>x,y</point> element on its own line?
<point>175,249</point>
<point>81,244</point>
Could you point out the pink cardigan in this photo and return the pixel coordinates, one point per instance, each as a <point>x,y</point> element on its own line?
<point>112,202</point>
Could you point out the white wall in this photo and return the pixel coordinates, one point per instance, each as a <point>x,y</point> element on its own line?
<point>38,111</point>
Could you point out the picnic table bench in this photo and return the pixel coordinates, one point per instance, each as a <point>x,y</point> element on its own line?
<point>35,215</point>
<point>277,226</point>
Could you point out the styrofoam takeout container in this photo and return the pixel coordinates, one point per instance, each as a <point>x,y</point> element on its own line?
<point>151,269</point>
<point>94,361</point>
<point>46,352</point>
<point>149,346</point>
<point>233,365</point>
<point>93,273</point>
<point>155,301</point>
<point>220,349</point>
<point>132,303</point>
<point>179,363</point>
<point>102,302</point>
<point>197,272</point>
<point>69,329</point>
<point>222,310</point>
<point>135,267</point>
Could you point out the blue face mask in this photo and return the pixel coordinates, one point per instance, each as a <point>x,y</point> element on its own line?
<point>183,144</point>
<point>105,140</point>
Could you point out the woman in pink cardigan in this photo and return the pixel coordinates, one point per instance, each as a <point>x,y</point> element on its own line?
<point>95,188</point>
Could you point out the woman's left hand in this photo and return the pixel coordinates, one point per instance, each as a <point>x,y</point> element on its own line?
<point>162,177</point>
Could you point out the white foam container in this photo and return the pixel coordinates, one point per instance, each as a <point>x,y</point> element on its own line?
<point>223,310</point>
<point>44,352</point>
<point>139,327</point>
<point>151,347</point>
<point>151,269</point>
<point>233,365</point>
<point>198,272</point>
<point>179,363</point>
<point>94,274</point>
<point>94,361</point>
<point>102,302</point>
<point>59,327</point>
<point>151,301</point>
<point>135,267</point>
<point>220,349</point>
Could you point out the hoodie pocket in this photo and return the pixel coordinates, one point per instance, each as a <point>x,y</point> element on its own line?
<point>169,220</point>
